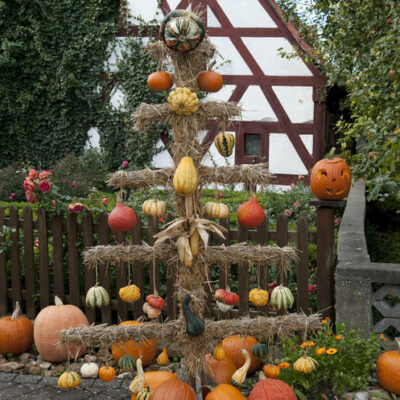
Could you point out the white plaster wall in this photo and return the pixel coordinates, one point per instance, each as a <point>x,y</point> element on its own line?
<point>255,106</point>
<point>145,9</point>
<point>93,139</point>
<point>163,159</point>
<point>212,20</point>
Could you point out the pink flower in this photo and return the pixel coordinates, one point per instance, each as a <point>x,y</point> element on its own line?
<point>50,171</point>
<point>288,212</point>
<point>160,219</point>
<point>44,185</point>
<point>272,285</point>
<point>11,196</point>
<point>104,200</point>
<point>292,185</point>
<point>125,164</point>
<point>44,174</point>
<point>296,204</point>
<point>265,212</point>
<point>33,174</point>
<point>312,288</point>
<point>31,197</point>
<point>337,221</point>
<point>221,196</point>
<point>29,185</point>
<point>73,184</point>
<point>75,207</point>
<point>53,202</point>
<point>300,177</point>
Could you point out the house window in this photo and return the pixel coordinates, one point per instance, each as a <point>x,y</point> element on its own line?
<point>252,145</point>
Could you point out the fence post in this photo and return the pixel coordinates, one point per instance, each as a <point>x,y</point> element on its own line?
<point>3,272</point>
<point>43,258</point>
<point>243,274</point>
<point>29,261</point>
<point>326,255</point>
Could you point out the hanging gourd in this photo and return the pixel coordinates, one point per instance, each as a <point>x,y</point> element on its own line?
<point>194,325</point>
<point>250,213</point>
<point>162,358</point>
<point>305,365</point>
<point>282,298</point>
<point>137,383</point>
<point>129,293</point>
<point>97,296</point>
<point>159,81</point>
<point>155,300</point>
<point>185,177</point>
<point>68,380</point>
<point>216,210</point>
<point>224,142</point>
<point>240,375</point>
<point>258,297</point>
<point>182,30</point>
<point>154,208</point>
<point>210,81</point>
<point>152,312</point>
<point>183,101</point>
<point>226,299</point>
<point>121,218</point>
<point>106,373</point>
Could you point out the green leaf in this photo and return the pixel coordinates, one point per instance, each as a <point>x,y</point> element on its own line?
<point>299,394</point>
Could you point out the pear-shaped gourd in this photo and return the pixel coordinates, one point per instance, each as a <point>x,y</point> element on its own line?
<point>185,177</point>
<point>162,359</point>
<point>194,325</point>
<point>250,213</point>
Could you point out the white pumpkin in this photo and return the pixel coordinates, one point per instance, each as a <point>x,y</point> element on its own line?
<point>154,208</point>
<point>89,370</point>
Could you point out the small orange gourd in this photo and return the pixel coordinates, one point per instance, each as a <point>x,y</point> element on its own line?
<point>271,370</point>
<point>106,373</point>
<point>162,358</point>
<point>159,81</point>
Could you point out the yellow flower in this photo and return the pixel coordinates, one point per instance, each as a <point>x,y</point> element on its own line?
<point>338,337</point>
<point>331,351</point>
<point>284,365</point>
<point>382,336</point>
<point>326,320</point>
<point>307,344</point>
<point>320,351</point>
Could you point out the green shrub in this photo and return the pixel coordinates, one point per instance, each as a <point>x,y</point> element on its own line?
<point>12,181</point>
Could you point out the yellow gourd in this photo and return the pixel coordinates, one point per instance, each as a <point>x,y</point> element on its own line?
<point>138,382</point>
<point>258,297</point>
<point>305,364</point>
<point>194,242</point>
<point>162,359</point>
<point>185,177</point>
<point>129,293</point>
<point>69,380</point>
<point>183,101</point>
<point>219,352</point>
<point>240,375</point>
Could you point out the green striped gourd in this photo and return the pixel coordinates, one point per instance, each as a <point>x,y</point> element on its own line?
<point>97,296</point>
<point>224,142</point>
<point>259,350</point>
<point>281,298</point>
<point>127,362</point>
<point>216,210</point>
<point>68,380</point>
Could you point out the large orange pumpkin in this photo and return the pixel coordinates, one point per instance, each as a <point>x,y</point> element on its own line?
<point>16,333</point>
<point>225,392</point>
<point>250,213</point>
<point>49,322</point>
<point>388,370</point>
<point>220,370</point>
<point>174,389</point>
<point>147,350</point>
<point>153,379</point>
<point>330,179</point>
<point>233,346</point>
<point>272,389</point>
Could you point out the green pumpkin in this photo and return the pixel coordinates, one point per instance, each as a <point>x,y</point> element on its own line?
<point>194,325</point>
<point>224,142</point>
<point>97,296</point>
<point>182,30</point>
<point>282,298</point>
<point>259,349</point>
<point>127,363</point>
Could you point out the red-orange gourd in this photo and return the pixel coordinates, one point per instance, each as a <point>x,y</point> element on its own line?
<point>106,373</point>
<point>388,370</point>
<point>250,213</point>
<point>159,81</point>
<point>122,218</point>
<point>330,179</point>
<point>233,346</point>
<point>210,81</point>
<point>146,350</point>
<point>225,392</point>
<point>220,370</point>
<point>272,389</point>
<point>16,333</point>
<point>174,389</point>
<point>49,322</point>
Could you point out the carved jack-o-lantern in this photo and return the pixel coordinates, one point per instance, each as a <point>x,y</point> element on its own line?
<point>330,179</point>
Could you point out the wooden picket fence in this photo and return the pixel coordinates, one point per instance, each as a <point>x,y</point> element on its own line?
<point>45,259</point>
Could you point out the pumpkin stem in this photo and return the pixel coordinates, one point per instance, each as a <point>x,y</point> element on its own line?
<point>17,311</point>
<point>331,153</point>
<point>58,301</point>
<point>119,198</point>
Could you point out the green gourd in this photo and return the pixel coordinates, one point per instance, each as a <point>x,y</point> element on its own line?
<point>259,349</point>
<point>127,363</point>
<point>194,325</point>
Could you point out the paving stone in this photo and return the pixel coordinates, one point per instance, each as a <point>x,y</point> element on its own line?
<point>27,379</point>
<point>42,393</point>
<point>7,377</point>
<point>87,383</point>
<point>114,384</point>
<point>75,394</point>
<point>125,384</point>
<point>4,385</point>
<point>119,393</point>
<point>50,381</point>
<point>15,391</point>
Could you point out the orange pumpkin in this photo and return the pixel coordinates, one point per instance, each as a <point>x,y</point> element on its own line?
<point>388,370</point>
<point>146,350</point>
<point>209,81</point>
<point>233,346</point>
<point>174,389</point>
<point>159,81</point>
<point>153,379</point>
<point>330,179</point>
<point>220,370</point>
<point>271,370</point>
<point>49,322</point>
<point>225,392</point>
<point>272,389</point>
<point>250,213</point>
<point>16,333</point>
<point>106,373</point>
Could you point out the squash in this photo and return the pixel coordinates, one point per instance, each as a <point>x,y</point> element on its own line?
<point>68,380</point>
<point>16,333</point>
<point>240,375</point>
<point>89,370</point>
<point>259,349</point>
<point>194,241</point>
<point>49,322</point>
<point>152,312</point>
<point>162,358</point>
<point>137,383</point>
<point>258,297</point>
<point>282,298</point>
<point>159,81</point>
<point>153,379</point>
<point>250,213</point>
<point>194,325</point>
<point>154,208</point>
<point>224,143</point>
<point>388,370</point>
<point>183,101</point>
<point>219,352</point>
<point>174,389</point>
<point>185,177</point>
<point>225,392</point>
<point>234,344</point>
<point>144,394</point>
<point>272,389</point>
<point>130,293</point>
<point>106,373</point>
<point>182,30</point>
<point>305,365</point>
<point>156,301</point>
<point>210,81</point>
<point>216,210</point>
<point>97,296</point>
<point>146,350</point>
<point>220,370</point>
<point>121,218</point>
<point>127,362</point>
<point>271,370</point>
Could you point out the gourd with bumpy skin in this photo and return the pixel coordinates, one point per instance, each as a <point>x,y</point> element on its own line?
<point>183,101</point>
<point>216,210</point>
<point>282,298</point>
<point>305,364</point>
<point>271,370</point>
<point>89,370</point>
<point>388,370</point>
<point>210,81</point>
<point>250,213</point>
<point>156,301</point>
<point>68,380</point>
<point>194,325</point>
<point>162,358</point>
<point>154,208</point>
<point>259,349</point>
<point>272,389</point>
<point>106,373</point>
<point>127,362</point>
<point>130,293</point>
<point>224,143</point>
<point>240,375</point>
<point>258,297</point>
<point>137,383</point>
<point>159,81</point>
<point>97,296</point>
<point>185,177</point>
